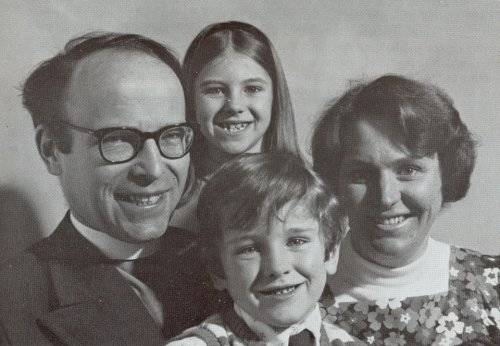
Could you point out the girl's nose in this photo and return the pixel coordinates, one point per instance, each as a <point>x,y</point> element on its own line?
<point>234,102</point>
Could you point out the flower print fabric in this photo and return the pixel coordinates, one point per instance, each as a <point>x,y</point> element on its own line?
<point>468,314</point>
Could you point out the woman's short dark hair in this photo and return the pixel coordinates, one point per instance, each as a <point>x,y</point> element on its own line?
<point>255,187</point>
<point>45,88</point>
<point>243,38</point>
<point>427,119</point>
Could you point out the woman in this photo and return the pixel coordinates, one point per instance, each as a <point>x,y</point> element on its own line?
<point>395,151</point>
<point>238,98</point>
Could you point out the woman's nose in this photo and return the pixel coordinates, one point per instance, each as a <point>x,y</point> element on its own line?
<point>148,165</point>
<point>389,190</point>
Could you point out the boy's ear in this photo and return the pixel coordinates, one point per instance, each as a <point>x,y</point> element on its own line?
<point>218,281</point>
<point>47,148</point>
<point>332,260</point>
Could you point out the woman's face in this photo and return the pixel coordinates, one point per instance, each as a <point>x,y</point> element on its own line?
<point>391,197</point>
<point>234,97</point>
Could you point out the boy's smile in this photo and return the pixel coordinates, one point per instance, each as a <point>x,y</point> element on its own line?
<point>276,271</point>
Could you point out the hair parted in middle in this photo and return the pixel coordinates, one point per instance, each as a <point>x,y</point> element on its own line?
<point>425,115</point>
<point>253,188</point>
<point>213,41</point>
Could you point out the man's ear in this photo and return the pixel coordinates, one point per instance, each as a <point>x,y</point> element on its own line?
<point>332,260</point>
<point>47,148</point>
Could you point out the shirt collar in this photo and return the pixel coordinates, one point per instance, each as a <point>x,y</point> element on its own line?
<point>312,322</point>
<point>111,247</point>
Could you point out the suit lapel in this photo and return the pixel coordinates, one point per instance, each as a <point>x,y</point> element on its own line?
<point>93,304</point>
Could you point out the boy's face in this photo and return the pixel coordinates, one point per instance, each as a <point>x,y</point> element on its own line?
<point>276,271</point>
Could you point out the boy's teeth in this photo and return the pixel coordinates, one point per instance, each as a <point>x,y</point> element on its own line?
<point>281,291</point>
<point>234,127</point>
<point>392,220</point>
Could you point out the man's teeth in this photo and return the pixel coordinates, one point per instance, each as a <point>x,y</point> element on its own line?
<point>233,127</point>
<point>392,220</point>
<point>140,201</point>
<point>281,291</point>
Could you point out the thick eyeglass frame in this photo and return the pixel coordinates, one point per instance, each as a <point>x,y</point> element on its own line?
<point>100,133</point>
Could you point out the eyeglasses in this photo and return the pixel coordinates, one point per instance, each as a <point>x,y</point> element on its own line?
<point>122,144</point>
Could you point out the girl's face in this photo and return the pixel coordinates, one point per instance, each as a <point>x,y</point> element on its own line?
<point>391,197</point>
<point>234,97</point>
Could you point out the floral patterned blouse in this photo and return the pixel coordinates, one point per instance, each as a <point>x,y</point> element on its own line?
<point>468,314</point>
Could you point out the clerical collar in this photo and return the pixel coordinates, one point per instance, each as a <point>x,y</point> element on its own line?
<point>312,322</point>
<point>111,247</point>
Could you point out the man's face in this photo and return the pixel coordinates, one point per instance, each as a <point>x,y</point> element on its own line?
<point>131,201</point>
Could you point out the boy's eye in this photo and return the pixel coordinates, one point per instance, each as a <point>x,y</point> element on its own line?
<point>253,89</point>
<point>358,176</point>
<point>408,171</point>
<point>296,241</point>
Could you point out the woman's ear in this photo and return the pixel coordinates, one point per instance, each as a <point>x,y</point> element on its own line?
<point>332,261</point>
<point>47,148</point>
<point>218,281</point>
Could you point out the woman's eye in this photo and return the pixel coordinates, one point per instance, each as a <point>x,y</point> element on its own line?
<point>246,250</point>
<point>253,89</point>
<point>296,241</point>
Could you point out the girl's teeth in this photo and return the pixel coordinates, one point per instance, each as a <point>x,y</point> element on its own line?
<point>234,127</point>
<point>393,220</point>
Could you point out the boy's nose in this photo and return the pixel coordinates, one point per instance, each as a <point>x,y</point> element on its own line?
<point>276,263</point>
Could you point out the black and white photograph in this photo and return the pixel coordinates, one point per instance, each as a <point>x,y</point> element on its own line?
<point>229,172</point>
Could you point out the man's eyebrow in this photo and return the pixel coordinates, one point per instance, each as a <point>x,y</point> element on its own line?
<point>211,81</point>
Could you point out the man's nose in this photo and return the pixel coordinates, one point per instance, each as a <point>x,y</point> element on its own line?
<point>148,165</point>
<point>389,190</point>
<point>276,262</point>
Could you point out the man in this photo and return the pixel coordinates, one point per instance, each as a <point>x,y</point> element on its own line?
<point>110,123</point>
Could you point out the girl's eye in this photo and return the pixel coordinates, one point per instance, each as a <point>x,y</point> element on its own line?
<point>214,91</point>
<point>253,89</point>
<point>296,241</point>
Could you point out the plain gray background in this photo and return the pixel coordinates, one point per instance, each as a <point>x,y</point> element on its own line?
<point>323,45</point>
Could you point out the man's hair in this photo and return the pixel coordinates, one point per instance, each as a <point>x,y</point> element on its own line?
<point>45,88</point>
<point>255,187</point>
<point>246,39</point>
<point>427,120</point>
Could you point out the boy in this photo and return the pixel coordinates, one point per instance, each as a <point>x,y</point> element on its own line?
<point>269,235</point>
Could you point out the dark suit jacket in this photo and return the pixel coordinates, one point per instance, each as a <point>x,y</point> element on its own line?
<point>62,290</point>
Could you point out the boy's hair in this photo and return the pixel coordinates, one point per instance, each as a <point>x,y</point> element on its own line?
<point>425,115</point>
<point>246,39</point>
<point>255,187</point>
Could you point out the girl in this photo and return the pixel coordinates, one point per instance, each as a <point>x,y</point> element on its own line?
<point>239,99</point>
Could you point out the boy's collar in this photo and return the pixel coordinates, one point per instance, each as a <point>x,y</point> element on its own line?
<point>312,322</point>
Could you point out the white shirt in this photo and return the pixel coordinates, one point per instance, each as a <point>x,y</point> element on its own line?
<point>358,279</point>
<point>268,335</point>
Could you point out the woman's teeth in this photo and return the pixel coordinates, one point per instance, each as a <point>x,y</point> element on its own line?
<point>141,201</point>
<point>392,220</point>
<point>233,127</point>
